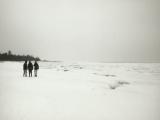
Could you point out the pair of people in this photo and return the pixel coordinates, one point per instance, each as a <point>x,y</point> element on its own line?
<point>29,67</point>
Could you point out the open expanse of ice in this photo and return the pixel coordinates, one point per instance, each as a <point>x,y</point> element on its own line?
<point>81,91</point>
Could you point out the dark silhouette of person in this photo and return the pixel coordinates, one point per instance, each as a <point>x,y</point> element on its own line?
<point>30,68</point>
<point>25,69</point>
<point>36,67</point>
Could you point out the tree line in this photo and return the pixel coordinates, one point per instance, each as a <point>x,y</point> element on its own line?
<point>8,56</point>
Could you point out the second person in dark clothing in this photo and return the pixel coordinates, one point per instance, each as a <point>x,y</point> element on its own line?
<point>30,68</point>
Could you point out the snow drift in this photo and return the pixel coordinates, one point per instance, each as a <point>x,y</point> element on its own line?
<point>80,91</point>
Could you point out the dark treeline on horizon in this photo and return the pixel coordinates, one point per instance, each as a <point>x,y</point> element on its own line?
<point>8,56</point>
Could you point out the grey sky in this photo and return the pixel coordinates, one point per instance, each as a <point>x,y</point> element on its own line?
<point>83,30</point>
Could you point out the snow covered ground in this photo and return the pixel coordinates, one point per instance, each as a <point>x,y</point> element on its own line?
<point>81,91</point>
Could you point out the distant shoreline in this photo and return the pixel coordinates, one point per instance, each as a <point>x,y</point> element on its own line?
<point>8,56</point>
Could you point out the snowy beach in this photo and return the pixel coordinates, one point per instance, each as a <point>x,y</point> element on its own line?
<point>80,91</point>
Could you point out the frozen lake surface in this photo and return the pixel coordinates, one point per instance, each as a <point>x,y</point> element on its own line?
<point>81,91</point>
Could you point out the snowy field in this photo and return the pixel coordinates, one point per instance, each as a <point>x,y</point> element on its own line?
<point>81,91</point>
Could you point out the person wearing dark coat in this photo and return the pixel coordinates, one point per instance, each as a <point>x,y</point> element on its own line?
<point>36,67</point>
<point>25,69</point>
<point>30,68</point>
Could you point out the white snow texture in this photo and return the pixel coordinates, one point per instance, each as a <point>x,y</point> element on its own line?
<point>80,91</point>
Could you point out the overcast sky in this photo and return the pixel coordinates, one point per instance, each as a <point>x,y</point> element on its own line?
<point>82,30</point>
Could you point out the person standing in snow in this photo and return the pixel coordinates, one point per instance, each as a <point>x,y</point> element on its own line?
<point>30,68</point>
<point>36,67</point>
<point>25,69</point>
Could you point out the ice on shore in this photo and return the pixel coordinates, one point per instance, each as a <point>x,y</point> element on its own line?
<point>81,91</point>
